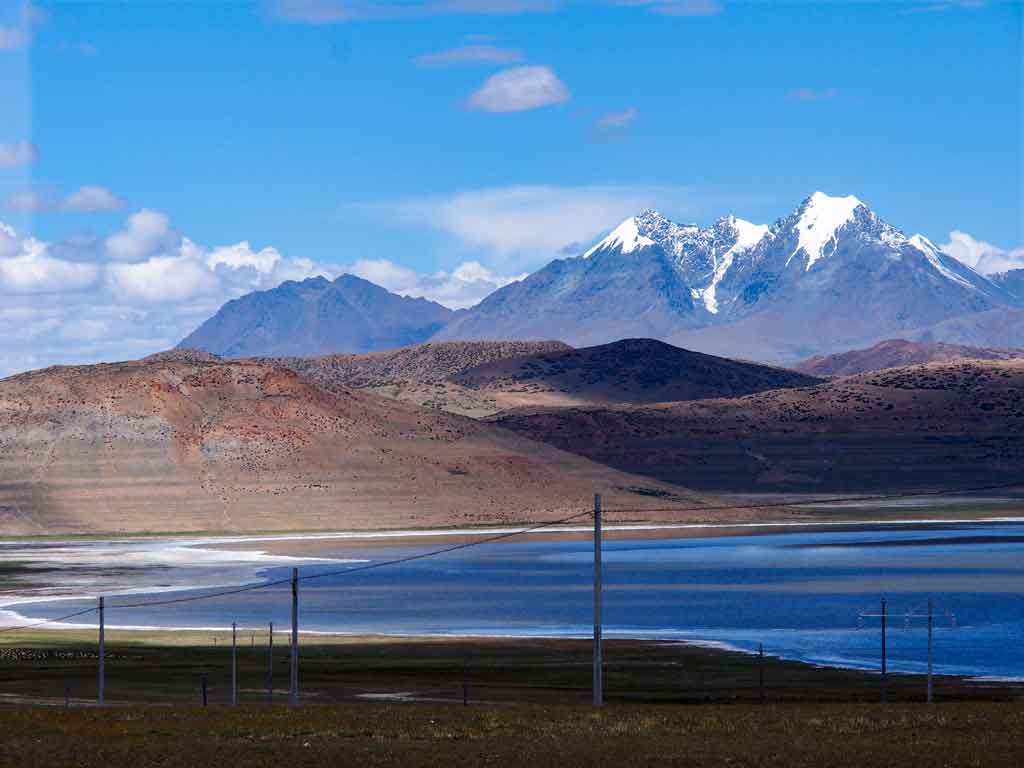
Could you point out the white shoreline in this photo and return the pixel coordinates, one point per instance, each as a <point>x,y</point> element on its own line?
<point>527,529</point>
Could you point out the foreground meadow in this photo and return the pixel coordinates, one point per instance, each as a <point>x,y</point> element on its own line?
<point>835,735</point>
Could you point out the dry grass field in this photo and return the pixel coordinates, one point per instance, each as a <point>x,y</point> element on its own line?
<point>865,736</point>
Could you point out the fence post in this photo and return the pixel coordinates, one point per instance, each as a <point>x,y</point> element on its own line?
<point>931,622</point>
<point>67,696</point>
<point>234,664</point>
<point>885,692</point>
<point>598,588</point>
<point>270,665</point>
<point>101,695</point>
<point>202,683</point>
<point>293,695</point>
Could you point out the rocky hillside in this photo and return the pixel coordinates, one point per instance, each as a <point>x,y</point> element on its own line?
<point>938,425</point>
<point>185,442</point>
<point>420,374</point>
<point>898,352</point>
<point>628,371</point>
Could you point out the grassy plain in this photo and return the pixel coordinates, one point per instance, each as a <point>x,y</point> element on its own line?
<point>836,735</point>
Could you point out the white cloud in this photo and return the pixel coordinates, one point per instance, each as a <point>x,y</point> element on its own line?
<point>335,11</point>
<point>18,153</point>
<point>89,199</point>
<point>177,277</point>
<point>33,270</point>
<point>92,199</point>
<point>677,7</point>
<point>242,255</point>
<point>618,119</point>
<point>147,232</point>
<point>463,287</point>
<point>984,257</point>
<point>9,242</point>
<point>470,54</point>
<point>519,89</point>
<point>528,224</point>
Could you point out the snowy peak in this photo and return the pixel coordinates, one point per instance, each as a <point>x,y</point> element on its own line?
<point>626,238</point>
<point>819,218</point>
<point>744,235</point>
<point>923,244</point>
<point>747,234</point>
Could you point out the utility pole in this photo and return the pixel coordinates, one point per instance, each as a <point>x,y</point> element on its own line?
<point>598,588</point>
<point>885,681</point>
<point>101,695</point>
<point>234,664</point>
<point>931,624</point>
<point>293,694</point>
<point>270,665</point>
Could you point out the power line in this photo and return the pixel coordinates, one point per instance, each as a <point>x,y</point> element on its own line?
<point>361,568</point>
<point>48,621</point>
<point>520,532</point>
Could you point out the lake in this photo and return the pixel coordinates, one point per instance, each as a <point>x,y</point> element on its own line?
<point>804,594</point>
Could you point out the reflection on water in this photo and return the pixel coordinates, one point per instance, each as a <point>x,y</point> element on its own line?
<point>798,593</point>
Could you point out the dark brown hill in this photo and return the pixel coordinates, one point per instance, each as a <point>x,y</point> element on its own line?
<point>938,425</point>
<point>628,371</point>
<point>898,352</point>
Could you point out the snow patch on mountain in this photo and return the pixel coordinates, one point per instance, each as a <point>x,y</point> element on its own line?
<point>821,217</point>
<point>625,237</point>
<point>927,247</point>
<point>747,236</point>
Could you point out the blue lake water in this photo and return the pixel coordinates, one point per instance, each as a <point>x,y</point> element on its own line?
<point>801,594</point>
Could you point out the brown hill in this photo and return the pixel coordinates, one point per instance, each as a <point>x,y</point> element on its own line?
<point>184,443</point>
<point>898,352</point>
<point>419,374</point>
<point>628,371</point>
<point>936,425</point>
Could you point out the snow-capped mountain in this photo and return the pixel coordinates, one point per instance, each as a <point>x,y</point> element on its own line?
<point>830,275</point>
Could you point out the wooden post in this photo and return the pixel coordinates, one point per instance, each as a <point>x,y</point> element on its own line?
<point>931,623</point>
<point>885,692</point>
<point>101,695</point>
<point>202,684</point>
<point>270,665</point>
<point>293,695</point>
<point>67,696</point>
<point>234,664</point>
<point>598,589</point>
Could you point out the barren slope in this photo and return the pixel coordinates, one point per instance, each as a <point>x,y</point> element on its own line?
<point>418,374</point>
<point>628,371</point>
<point>185,442</point>
<point>898,352</point>
<point>936,425</point>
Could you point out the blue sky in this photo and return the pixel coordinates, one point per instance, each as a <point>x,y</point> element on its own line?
<point>341,133</point>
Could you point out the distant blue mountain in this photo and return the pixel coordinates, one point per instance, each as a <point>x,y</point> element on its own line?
<point>316,317</point>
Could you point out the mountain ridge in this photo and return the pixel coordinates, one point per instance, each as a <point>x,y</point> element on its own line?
<point>318,316</point>
<point>829,276</point>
